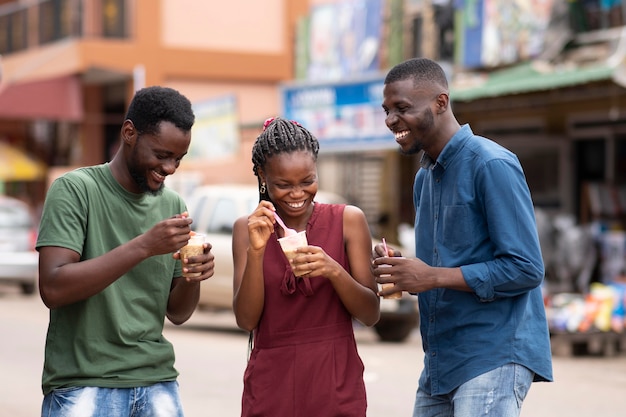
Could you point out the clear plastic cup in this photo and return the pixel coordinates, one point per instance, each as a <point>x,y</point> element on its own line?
<point>289,244</point>
<point>392,296</point>
<point>194,247</point>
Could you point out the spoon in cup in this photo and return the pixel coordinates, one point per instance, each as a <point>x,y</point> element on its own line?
<point>288,231</point>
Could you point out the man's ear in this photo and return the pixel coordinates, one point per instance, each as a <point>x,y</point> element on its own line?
<point>442,102</point>
<point>128,132</point>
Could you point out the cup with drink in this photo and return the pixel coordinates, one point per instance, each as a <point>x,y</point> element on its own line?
<point>194,247</point>
<point>290,243</point>
<point>395,295</point>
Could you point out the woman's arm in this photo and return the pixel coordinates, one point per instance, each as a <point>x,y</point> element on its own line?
<point>250,236</point>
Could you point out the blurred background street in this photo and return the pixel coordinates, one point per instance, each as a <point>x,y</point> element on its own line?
<point>211,357</point>
<point>546,79</point>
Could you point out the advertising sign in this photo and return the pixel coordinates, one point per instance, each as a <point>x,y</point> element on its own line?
<point>345,116</point>
<point>493,33</point>
<point>215,133</point>
<point>344,39</point>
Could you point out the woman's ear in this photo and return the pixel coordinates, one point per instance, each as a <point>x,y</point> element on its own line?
<point>261,176</point>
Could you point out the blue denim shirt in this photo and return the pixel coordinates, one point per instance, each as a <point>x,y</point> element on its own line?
<point>474,211</point>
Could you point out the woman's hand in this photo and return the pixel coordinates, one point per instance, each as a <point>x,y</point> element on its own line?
<point>261,225</point>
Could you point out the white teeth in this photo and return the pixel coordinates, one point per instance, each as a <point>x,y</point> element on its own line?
<point>400,135</point>
<point>296,205</point>
<point>159,176</point>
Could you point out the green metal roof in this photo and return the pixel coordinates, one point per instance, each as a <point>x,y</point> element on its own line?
<point>525,78</point>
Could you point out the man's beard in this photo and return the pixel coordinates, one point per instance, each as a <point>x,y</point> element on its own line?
<point>142,183</point>
<point>426,125</point>
<point>414,149</point>
<point>140,178</point>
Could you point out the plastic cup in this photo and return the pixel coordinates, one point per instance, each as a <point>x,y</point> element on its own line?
<point>194,247</point>
<point>289,244</point>
<point>392,296</point>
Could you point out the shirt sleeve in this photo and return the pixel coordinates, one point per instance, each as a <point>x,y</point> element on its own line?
<point>64,216</point>
<point>517,265</point>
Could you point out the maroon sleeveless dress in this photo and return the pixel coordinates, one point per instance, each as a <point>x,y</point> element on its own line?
<point>305,361</point>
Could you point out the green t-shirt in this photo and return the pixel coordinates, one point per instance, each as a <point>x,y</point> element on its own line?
<point>113,339</point>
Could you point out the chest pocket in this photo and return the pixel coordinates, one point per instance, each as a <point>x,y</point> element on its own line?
<point>457,228</point>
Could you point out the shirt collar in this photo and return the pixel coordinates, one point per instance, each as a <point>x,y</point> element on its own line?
<point>456,142</point>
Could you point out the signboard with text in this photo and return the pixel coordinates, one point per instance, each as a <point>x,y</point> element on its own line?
<point>343,116</point>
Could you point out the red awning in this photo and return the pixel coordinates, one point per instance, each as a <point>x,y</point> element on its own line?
<point>57,98</point>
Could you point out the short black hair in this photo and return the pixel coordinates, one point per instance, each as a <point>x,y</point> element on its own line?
<point>152,105</point>
<point>281,136</point>
<point>421,70</point>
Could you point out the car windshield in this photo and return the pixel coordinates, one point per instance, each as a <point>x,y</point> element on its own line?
<point>14,216</point>
<point>225,214</point>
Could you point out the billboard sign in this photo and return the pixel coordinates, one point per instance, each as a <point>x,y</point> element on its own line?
<point>215,132</point>
<point>343,116</point>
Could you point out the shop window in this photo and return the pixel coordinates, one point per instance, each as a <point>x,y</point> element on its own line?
<point>416,30</point>
<point>541,166</point>
<point>444,18</point>
<point>590,160</point>
<point>113,18</point>
<point>13,32</point>
<point>620,161</point>
<point>590,166</point>
<point>58,19</point>
<point>592,15</point>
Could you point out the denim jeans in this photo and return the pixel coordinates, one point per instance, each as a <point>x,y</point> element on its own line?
<point>497,393</point>
<point>158,400</point>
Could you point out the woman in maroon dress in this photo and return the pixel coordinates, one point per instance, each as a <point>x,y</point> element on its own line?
<point>305,360</point>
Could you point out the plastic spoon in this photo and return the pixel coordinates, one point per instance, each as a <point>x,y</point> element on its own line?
<point>288,231</point>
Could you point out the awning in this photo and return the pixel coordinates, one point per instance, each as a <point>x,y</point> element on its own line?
<point>58,98</point>
<point>17,165</point>
<point>529,77</point>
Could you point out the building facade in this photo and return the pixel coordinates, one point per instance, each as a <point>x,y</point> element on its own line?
<point>70,67</point>
<point>554,93</point>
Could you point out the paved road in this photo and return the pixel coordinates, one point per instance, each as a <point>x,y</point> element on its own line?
<point>211,357</point>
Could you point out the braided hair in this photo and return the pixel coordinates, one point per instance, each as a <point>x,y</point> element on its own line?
<point>280,136</point>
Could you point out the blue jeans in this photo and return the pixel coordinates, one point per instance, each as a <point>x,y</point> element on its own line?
<point>158,400</point>
<point>497,393</point>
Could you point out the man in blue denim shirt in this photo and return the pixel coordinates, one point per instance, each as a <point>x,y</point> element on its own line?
<point>478,268</point>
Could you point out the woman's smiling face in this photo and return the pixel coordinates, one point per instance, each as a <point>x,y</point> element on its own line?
<point>291,181</point>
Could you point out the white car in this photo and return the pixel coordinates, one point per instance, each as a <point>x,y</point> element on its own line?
<point>18,258</point>
<point>214,209</point>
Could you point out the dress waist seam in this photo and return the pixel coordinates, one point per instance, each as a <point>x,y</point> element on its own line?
<point>303,336</point>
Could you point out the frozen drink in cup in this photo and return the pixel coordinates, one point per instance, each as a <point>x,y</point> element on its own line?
<point>395,295</point>
<point>290,244</point>
<point>392,296</point>
<point>194,247</point>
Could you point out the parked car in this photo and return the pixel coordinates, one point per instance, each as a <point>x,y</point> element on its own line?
<point>214,209</point>
<point>18,258</point>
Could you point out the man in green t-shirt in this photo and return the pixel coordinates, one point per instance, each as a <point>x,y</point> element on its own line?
<point>110,272</point>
